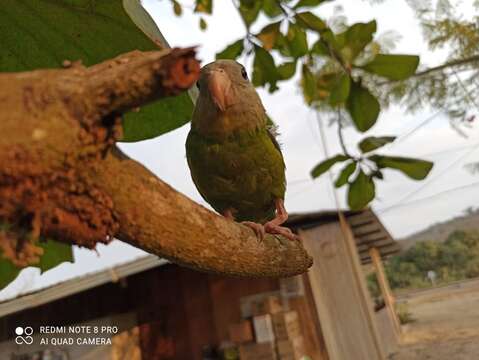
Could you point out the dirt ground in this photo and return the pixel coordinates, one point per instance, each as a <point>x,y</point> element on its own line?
<point>446,325</point>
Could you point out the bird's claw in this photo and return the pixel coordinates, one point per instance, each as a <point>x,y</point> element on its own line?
<point>281,230</point>
<point>257,228</point>
<point>271,228</point>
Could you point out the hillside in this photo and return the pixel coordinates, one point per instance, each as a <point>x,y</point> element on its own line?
<point>440,231</point>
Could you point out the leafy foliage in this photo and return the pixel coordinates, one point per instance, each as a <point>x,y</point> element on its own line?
<point>393,67</point>
<point>333,66</point>
<point>361,191</point>
<point>455,259</point>
<point>363,107</point>
<point>8,272</point>
<point>372,143</point>
<point>54,253</point>
<point>324,166</point>
<point>415,169</point>
<point>345,174</point>
<point>452,28</point>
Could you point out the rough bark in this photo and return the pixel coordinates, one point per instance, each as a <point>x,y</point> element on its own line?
<point>61,175</point>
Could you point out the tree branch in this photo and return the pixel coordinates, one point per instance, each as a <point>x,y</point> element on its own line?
<point>449,64</point>
<point>446,65</point>
<point>61,176</point>
<point>156,218</point>
<point>134,79</point>
<point>340,135</point>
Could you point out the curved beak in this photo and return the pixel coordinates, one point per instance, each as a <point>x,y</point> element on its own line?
<point>219,85</point>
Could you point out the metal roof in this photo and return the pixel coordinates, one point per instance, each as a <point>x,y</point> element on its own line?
<point>367,229</point>
<point>78,284</point>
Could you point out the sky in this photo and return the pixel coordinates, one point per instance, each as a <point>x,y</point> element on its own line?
<point>399,202</point>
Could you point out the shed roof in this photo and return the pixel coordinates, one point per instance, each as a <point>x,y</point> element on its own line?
<point>368,230</point>
<point>78,284</point>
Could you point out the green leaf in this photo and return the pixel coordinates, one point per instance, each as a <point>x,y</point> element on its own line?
<point>378,174</point>
<point>92,32</point>
<point>363,107</point>
<point>269,122</point>
<point>269,34</point>
<point>232,51</point>
<point>264,69</point>
<point>282,45</point>
<point>340,90</point>
<point>296,40</point>
<point>307,3</point>
<point>203,24</point>
<point>320,48</point>
<point>249,3</point>
<point>333,88</point>
<point>287,70</point>
<point>310,21</point>
<point>177,8</point>
<point>355,39</point>
<point>271,8</point>
<point>59,30</point>
<point>343,177</point>
<point>414,168</point>
<point>176,112</point>
<point>325,165</point>
<point>332,41</point>
<point>8,271</point>
<point>249,10</point>
<point>372,143</point>
<point>308,84</point>
<point>54,253</point>
<point>394,67</point>
<point>204,6</point>
<point>361,191</point>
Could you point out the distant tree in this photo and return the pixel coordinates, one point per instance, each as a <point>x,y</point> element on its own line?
<point>450,27</point>
<point>471,211</point>
<point>455,259</point>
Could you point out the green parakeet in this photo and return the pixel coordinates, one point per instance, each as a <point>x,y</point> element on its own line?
<point>235,161</point>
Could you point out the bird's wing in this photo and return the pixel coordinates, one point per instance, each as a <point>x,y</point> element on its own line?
<point>273,134</point>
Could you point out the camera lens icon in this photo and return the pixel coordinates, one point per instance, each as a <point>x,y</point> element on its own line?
<point>24,335</point>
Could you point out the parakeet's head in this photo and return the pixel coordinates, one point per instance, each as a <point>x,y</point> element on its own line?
<point>223,83</point>
<point>228,100</point>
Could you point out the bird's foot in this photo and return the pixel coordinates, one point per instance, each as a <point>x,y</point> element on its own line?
<point>257,228</point>
<point>273,226</point>
<point>281,230</point>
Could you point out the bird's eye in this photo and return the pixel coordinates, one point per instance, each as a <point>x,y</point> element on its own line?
<point>244,74</point>
<point>198,85</point>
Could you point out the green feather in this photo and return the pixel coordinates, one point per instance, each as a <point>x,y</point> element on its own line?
<point>244,172</point>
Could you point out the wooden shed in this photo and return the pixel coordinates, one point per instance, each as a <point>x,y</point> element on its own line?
<point>340,244</point>
<point>163,311</point>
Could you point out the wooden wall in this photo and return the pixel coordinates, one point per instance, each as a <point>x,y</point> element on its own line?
<point>178,310</point>
<point>340,294</point>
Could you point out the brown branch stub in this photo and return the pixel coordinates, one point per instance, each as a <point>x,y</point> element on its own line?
<point>136,78</point>
<point>60,178</point>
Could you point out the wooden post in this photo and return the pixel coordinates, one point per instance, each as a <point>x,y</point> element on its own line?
<point>384,286</point>
<point>339,291</point>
